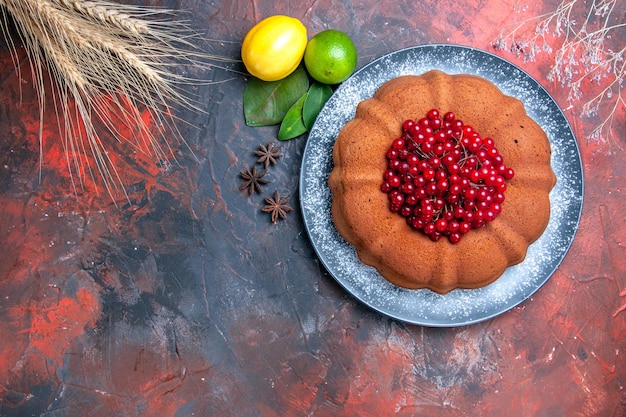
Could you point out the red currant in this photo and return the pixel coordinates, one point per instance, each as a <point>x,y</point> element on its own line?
<point>443,177</point>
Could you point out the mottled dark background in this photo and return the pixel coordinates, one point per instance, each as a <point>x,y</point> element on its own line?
<point>185,300</point>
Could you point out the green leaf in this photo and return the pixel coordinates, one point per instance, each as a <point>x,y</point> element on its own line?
<point>293,125</point>
<point>316,98</point>
<point>266,103</point>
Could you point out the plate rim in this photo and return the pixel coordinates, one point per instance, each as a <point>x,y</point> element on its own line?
<point>428,322</point>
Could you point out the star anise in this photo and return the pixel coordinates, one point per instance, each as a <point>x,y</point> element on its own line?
<point>252,180</point>
<point>268,154</point>
<point>276,205</point>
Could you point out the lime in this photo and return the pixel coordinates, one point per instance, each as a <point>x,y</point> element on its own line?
<point>273,48</point>
<point>330,56</point>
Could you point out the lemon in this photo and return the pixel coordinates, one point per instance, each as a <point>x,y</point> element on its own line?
<point>330,57</point>
<point>274,47</point>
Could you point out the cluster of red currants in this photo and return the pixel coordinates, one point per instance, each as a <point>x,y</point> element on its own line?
<point>443,177</point>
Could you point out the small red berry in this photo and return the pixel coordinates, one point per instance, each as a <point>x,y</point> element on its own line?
<point>443,177</point>
<point>454,237</point>
<point>408,125</point>
<point>398,144</point>
<point>441,225</point>
<point>433,114</point>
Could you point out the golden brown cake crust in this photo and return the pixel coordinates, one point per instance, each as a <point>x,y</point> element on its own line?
<point>409,258</point>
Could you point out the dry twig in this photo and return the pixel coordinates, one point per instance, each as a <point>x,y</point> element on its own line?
<point>588,53</point>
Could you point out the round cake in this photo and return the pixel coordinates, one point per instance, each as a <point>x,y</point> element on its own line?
<point>384,239</point>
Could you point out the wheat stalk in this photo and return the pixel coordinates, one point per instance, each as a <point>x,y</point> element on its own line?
<point>107,61</point>
<point>118,16</point>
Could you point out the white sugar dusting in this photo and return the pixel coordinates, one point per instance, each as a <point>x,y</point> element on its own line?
<point>423,306</point>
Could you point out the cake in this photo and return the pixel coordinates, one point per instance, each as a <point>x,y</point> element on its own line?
<point>385,239</point>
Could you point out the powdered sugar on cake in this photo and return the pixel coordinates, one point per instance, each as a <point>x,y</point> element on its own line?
<point>425,307</point>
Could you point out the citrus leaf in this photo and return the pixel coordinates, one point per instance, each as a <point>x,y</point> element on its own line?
<point>266,103</point>
<point>293,125</point>
<point>316,98</point>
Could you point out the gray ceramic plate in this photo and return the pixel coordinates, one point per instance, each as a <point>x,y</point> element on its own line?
<point>424,307</point>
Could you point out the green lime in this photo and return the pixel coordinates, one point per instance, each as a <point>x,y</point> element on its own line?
<point>330,57</point>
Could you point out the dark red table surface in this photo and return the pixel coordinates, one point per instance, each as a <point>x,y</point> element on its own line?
<point>187,301</point>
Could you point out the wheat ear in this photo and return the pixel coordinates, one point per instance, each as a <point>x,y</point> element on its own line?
<point>108,14</point>
<point>107,61</point>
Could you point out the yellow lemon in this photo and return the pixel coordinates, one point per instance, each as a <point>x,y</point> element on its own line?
<point>330,57</point>
<point>274,47</point>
